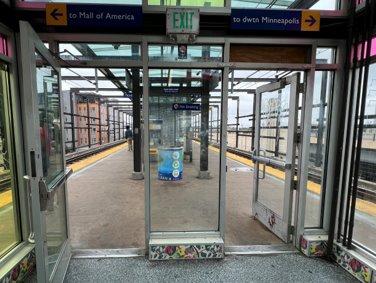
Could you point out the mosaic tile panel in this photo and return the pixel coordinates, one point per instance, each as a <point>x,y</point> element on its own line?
<point>353,265</point>
<point>19,273</point>
<point>166,252</point>
<point>313,248</point>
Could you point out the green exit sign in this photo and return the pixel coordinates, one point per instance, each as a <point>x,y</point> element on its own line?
<point>182,21</point>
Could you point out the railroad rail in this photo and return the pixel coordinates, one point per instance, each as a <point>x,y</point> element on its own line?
<point>76,156</point>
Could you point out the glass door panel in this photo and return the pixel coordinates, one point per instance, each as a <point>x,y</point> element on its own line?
<point>184,166</point>
<point>9,224</point>
<point>41,110</point>
<point>274,155</point>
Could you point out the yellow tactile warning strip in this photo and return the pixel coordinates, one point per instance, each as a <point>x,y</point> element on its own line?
<point>79,165</point>
<point>6,198</point>
<point>361,205</point>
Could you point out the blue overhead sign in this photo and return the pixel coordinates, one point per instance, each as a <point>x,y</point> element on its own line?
<point>186,106</point>
<point>289,20</point>
<point>94,15</point>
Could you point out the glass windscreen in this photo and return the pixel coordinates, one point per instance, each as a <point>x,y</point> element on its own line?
<point>192,3</point>
<point>184,159</point>
<point>318,144</point>
<point>50,126</point>
<point>365,213</point>
<point>9,230</point>
<point>185,53</point>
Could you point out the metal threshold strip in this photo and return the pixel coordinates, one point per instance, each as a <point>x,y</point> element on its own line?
<point>229,250</point>
<point>108,253</point>
<point>260,249</point>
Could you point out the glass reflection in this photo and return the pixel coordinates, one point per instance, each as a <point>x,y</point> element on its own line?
<point>49,122</point>
<point>365,213</point>
<point>50,128</point>
<point>9,230</point>
<point>184,168</point>
<point>274,119</point>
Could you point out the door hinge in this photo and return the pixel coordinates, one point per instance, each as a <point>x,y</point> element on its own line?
<point>301,87</point>
<point>292,230</point>
<point>295,185</point>
<point>298,138</point>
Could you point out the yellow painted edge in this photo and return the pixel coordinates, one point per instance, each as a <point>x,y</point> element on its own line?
<point>6,198</point>
<point>79,165</point>
<point>361,205</point>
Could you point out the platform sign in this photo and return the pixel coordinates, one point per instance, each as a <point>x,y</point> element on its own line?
<point>93,15</point>
<point>182,21</point>
<point>186,106</point>
<point>288,20</point>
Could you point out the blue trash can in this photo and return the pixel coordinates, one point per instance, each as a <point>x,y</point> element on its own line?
<point>170,163</point>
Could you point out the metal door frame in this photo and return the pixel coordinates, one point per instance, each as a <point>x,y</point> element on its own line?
<point>227,66</point>
<point>278,224</point>
<point>29,42</point>
<point>220,232</point>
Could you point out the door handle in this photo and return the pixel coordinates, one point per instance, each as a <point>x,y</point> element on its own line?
<point>263,172</point>
<point>31,238</point>
<point>45,195</point>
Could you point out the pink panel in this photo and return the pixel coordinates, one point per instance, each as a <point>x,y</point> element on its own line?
<point>3,45</point>
<point>359,51</point>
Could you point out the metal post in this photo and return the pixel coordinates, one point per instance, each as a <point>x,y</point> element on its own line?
<point>136,109</point>
<point>108,124</point>
<point>277,122</point>
<point>114,123</point>
<point>253,122</point>
<point>100,121</point>
<point>321,121</point>
<point>204,141</point>
<point>73,124</point>
<point>237,123</point>
<point>217,135</point>
<point>88,121</point>
<point>211,123</point>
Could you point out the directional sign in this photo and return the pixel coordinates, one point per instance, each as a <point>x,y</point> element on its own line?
<point>56,14</point>
<point>289,20</point>
<point>93,15</point>
<point>310,20</point>
<point>186,106</point>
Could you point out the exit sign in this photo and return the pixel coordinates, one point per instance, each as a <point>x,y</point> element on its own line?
<point>182,21</point>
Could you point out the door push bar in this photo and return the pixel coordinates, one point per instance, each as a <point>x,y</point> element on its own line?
<point>269,161</point>
<point>46,194</point>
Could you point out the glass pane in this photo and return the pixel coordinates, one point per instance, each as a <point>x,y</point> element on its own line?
<point>322,93</point>
<point>49,100</point>
<point>3,45</point>
<point>325,55</point>
<point>185,53</point>
<point>56,227</point>
<point>365,214</point>
<point>273,144</point>
<point>325,5</point>
<point>120,2</point>
<point>274,123</point>
<point>50,121</point>
<point>82,51</point>
<point>261,4</point>
<point>195,3</point>
<point>9,230</point>
<point>184,168</point>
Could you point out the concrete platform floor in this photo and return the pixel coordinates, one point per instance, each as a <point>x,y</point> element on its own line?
<point>106,207</point>
<point>272,268</point>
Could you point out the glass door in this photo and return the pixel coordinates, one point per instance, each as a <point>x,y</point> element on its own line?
<point>45,155</point>
<point>274,154</point>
